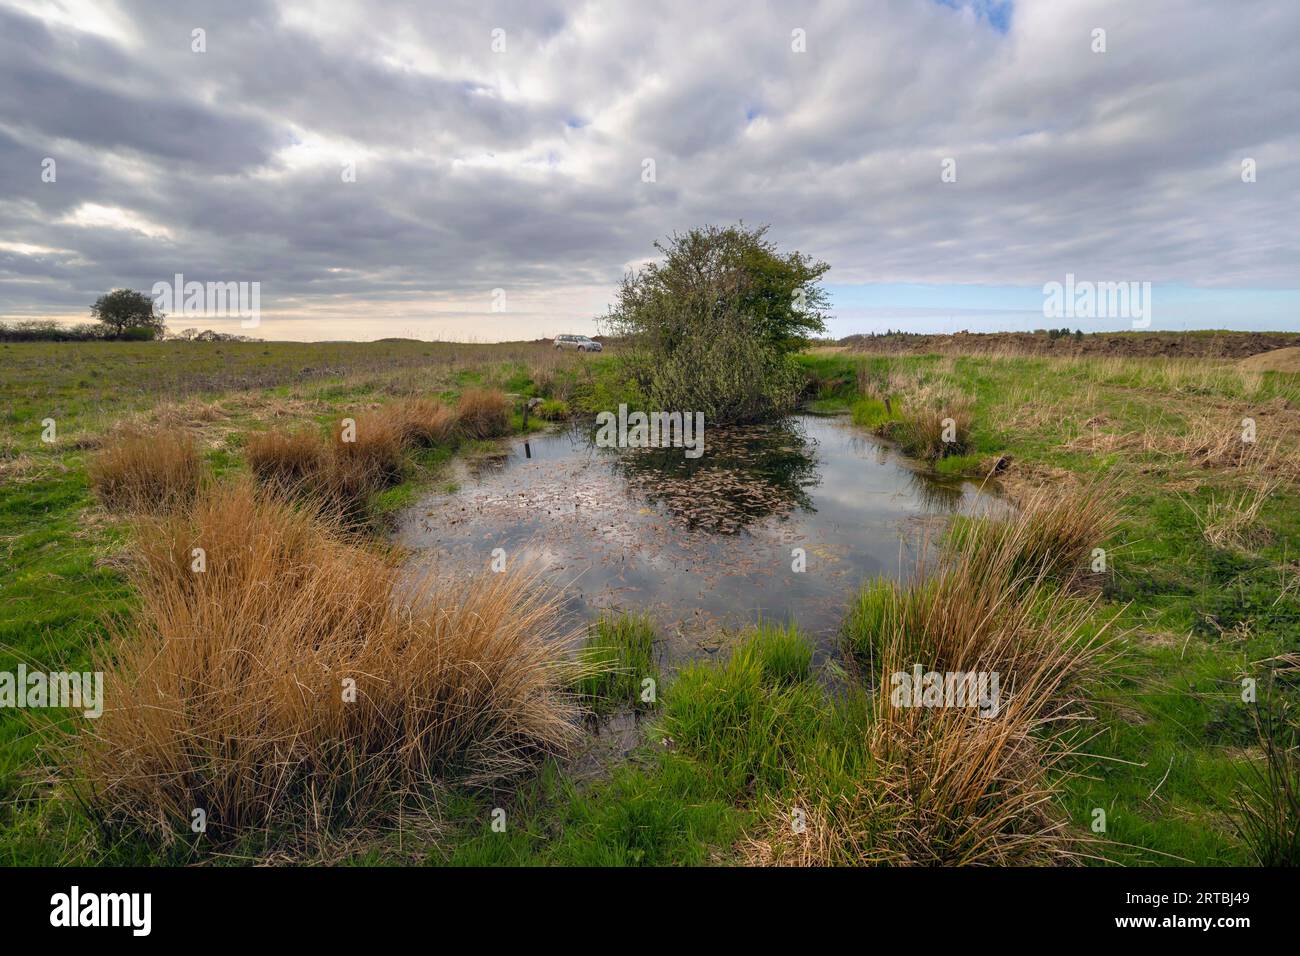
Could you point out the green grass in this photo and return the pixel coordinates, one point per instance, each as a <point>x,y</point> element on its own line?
<point>875,604</point>
<point>63,577</point>
<point>731,735</point>
<point>954,466</point>
<point>660,813</point>
<point>1172,737</point>
<point>55,592</point>
<point>749,719</point>
<point>1175,707</point>
<point>871,413</point>
<point>554,410</point>
<point>619,660</point>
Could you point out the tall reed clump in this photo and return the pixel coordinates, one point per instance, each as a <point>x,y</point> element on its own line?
<point>932,432</point>
<point>298,680</point>
<point>981,782</point>
<point>988,600</point>
<point>303,465</point>
<point>373,443</point>
<point>928,420</point>
<point>1052,534</point>
<point>974,777</point>
<point>938,787</point>
<point>366,454</point>
<point>483,413</point>
<point>146,469</point>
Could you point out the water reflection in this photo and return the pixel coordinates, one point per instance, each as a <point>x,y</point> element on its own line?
<point>705,545</point>
<point>747,473</point>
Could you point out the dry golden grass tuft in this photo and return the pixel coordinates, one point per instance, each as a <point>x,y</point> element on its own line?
<point>187,414</point>
<point>288,461</point>
<point>423,421</point>
<point>947,788</point>
<point>1232,522</point>
<point>1208,441</point>
<point>146,469</point>
<point>989,599</point>
<point>371,443</point>
<point>19,467</point>
<point>954,785</point>
<point>299,680</point>
<point>958,787</point>
<point>483,413</point>
<point>368,452</point>
<point>1054,533</point>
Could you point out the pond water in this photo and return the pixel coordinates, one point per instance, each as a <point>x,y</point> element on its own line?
<point>704,545</point>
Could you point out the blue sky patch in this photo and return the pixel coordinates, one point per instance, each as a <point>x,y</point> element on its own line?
<point>996,12</point>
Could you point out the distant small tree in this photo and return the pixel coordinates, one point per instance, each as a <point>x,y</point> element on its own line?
<point>124,311</point>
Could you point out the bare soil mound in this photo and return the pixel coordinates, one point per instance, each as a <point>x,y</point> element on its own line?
<point>1278,360</point>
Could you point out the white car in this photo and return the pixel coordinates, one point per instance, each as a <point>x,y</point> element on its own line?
<point>579,342</point>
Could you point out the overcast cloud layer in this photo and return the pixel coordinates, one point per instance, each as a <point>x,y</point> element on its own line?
<point>522,170</point>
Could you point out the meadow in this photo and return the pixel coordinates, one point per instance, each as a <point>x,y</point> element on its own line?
<point>1129,680</point>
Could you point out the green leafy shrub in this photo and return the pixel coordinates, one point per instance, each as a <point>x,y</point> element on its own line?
<point>713,327</point>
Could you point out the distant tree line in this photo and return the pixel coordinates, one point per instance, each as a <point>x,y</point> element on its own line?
<point>207,335</point>
<point>123,315</point>
<point>38,330</point>
<point>900,334</point>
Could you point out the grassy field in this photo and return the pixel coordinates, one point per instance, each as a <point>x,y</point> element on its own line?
<point>1202,589</point>
<point>1204,603</point>
<point>62,554</point>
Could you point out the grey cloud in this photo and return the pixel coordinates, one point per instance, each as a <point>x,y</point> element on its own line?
<point>41,92</point>
<point>522,170</point>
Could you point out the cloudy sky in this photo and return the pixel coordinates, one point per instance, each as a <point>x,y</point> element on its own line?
<point>381,168</point>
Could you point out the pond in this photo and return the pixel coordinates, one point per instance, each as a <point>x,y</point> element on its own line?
<point>704,545</point>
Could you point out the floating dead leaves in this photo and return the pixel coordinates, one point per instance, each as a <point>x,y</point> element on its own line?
<point>704,546</point>
<point>747,473</point>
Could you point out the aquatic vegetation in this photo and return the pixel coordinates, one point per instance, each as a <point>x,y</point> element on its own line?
<point>749,473</point>
<point>617,661</point>
<point>873,413</point>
